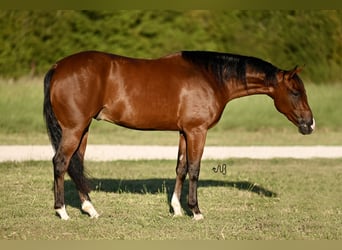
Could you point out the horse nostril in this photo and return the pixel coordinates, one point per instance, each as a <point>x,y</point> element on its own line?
<point>306,127</point>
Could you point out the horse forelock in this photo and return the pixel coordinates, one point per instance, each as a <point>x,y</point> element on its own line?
<point>225,66</point>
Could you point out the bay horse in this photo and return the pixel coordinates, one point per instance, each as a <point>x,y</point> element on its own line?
<point>185,91</point>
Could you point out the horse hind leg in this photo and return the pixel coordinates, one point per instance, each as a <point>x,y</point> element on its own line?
<point>76,172</point>
<point>60,164</point>
<point>61,160</point>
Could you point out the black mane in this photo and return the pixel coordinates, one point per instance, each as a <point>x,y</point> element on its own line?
<point>226,66</point>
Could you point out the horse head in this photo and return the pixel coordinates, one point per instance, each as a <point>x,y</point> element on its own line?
<point>290,99</point>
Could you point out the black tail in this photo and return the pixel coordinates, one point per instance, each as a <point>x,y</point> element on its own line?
<point>53,128</point>
<point>75,169</point>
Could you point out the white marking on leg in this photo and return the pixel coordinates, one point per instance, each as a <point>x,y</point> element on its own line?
<point>198,217</point>
<point>181,157</point>
<point>62,213</point>
<point>177,209</point>
<point>89,209</point>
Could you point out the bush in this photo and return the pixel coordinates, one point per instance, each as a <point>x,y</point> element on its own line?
<point>31,41</point>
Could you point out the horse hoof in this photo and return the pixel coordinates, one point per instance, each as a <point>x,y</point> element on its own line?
<point>177,215</point>
<point>89,209</point>
<point>62,213</point>
<point>198,217</point>
<point>94,216</point>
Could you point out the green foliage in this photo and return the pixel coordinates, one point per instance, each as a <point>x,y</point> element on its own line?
<point>31,41</point>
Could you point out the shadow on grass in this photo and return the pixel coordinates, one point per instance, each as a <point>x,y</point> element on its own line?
<point>157,186</point>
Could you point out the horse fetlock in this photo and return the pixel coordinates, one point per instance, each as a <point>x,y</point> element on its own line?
<point>177,209</point>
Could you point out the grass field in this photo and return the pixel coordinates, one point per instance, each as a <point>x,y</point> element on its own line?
<point>246,121</point>
<point>256,199</point>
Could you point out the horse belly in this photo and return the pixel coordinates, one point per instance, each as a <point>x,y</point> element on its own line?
<point>141,117</point>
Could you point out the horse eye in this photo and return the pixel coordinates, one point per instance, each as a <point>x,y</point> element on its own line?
<point>295,93</point>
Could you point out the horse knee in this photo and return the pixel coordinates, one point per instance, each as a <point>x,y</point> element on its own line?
<point>194,173</point>
<point>181,171</point>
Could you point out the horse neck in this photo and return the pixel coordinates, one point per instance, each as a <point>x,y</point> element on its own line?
<point>254,85</point>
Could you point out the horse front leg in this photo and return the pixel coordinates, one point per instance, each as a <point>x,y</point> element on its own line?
<point>181,171</point>
<point>195,145</point>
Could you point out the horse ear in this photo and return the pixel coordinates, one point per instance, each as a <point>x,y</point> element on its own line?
<point>280,75</point>
<point>290,74</point>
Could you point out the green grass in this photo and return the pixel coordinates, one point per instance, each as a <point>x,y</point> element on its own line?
<point>256,199</point>
<point>250,120</point>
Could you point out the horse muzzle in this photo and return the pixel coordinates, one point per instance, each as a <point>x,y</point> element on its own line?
<point>306,128</point>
